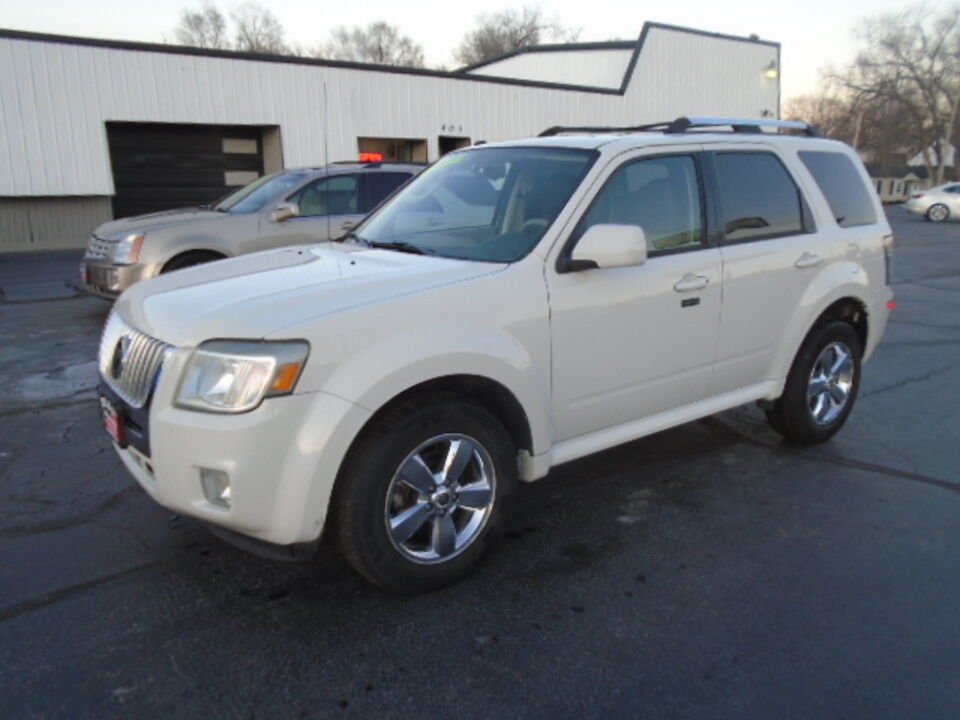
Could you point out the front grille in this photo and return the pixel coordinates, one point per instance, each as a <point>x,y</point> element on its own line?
<point>130,361</point>
<point>98,248</point>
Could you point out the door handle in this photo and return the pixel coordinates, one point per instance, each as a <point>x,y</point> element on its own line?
<point>690,282</point>
<point>808,260</point>
<point>346,225</point>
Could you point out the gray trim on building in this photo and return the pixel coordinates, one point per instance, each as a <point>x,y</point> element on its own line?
<point>50,223</point>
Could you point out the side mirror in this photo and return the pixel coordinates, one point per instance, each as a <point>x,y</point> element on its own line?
<point>285,211</point>
<point>609,246</point>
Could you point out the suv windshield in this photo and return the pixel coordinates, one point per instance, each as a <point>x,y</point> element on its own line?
<point>491,204</point>
<point>251,198</point>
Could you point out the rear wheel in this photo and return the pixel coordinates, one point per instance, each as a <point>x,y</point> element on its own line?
<point>938,212</point>
<point>424,493</point>
<point>190,259</point>
<point>821,387</point>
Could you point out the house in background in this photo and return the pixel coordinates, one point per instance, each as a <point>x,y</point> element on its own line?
<point>896,176</point>
<point>896,183</point>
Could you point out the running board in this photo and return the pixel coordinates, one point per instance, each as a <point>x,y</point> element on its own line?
<point>579,447</point>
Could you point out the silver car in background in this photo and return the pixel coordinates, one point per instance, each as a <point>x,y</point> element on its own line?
<point>937,203</point>
<point>285,208</point>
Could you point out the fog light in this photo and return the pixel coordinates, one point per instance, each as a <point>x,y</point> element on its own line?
<point>216,486</point>
<point>113,280</point>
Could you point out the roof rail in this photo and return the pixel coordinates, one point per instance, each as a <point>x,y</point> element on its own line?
<point>683,124</point>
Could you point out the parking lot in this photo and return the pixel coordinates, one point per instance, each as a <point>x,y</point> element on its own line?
<point>708,571</point>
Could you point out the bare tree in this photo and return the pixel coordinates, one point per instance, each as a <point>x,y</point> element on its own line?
<point>833,115</point>
<point>204,27</point>
<point>908,69</point>
<point>501,32</point>
<point>379,42</point>
<point>256,29</point>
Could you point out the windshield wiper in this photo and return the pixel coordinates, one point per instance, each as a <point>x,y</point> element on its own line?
<point>398,245</point>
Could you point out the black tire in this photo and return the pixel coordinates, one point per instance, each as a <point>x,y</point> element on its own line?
<point>366,495</point>
<point>190,259</point>
<point>937,212</point>
<point>792,414</point>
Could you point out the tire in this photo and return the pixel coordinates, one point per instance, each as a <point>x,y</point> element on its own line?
<point>414,535</point>
<point>937,213</point>
<point>189,260</point>
<point>826,369</point>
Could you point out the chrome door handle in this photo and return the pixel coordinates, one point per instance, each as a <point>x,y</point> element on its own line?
<point>346,225</point>
<point>690,282</point>
<point>808,260</point>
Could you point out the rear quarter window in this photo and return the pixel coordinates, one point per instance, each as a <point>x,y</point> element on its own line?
<point>842,186</point>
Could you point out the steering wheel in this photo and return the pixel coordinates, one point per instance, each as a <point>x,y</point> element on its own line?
<point>533,223</point>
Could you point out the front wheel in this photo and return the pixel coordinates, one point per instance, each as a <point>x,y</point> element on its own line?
<point>424,493</point>
<point>821,387</point>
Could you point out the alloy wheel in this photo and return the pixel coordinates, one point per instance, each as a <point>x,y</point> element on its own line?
<point>440,498</point>
<point>938,212</point>
<point>831,382</point>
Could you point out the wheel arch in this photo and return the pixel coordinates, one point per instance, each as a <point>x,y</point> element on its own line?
<point>195,251</point>
<point>847,306</point>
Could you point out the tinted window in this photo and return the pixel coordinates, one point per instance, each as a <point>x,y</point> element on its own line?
<point>337,195</point>
<point>842,186</point>
<point>661,195</point>
<point>757,197</point>
<point>379,185</point>
<point>953,189</point>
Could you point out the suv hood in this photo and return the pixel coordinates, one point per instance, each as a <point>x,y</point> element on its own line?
<point>254,295</point>
<point>153,221</point>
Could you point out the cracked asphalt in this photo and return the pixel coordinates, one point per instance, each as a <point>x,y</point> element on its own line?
<point>707,571</point>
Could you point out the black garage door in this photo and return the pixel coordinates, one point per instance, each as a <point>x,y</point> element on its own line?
<point>163,166</point>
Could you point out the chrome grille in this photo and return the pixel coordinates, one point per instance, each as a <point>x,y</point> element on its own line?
<point>98,248</point>
<point>140,364</point>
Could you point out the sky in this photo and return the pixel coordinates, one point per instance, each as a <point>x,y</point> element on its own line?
<point>812,33</point>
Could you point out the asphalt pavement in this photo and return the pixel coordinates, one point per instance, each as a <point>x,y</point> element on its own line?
<point>710,571</point>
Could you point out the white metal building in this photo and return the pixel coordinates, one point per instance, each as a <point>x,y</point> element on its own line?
<point>90,128</point>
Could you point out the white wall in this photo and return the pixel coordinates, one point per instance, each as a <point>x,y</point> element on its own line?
<point>56,97</point>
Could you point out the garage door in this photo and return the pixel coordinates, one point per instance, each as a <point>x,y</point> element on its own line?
<point>162,166</point>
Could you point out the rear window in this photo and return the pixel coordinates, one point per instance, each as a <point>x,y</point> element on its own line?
<point>758,197</point>
<point>842,186</point>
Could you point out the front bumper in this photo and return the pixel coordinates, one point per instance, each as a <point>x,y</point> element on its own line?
<point>103,279</point>
<point>281,459</point>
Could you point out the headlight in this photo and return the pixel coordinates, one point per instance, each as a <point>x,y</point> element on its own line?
<point>233,376</point>
<point>127,250</point>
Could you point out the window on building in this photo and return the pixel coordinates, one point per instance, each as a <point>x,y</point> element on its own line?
<point>758,198</point>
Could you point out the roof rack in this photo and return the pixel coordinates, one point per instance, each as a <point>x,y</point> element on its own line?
<point>684,124</point>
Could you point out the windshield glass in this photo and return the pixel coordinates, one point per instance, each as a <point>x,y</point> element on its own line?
<point>251,198</point>
<point>491,204</point>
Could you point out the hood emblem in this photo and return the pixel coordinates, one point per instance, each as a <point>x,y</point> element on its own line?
<point>119,357</point>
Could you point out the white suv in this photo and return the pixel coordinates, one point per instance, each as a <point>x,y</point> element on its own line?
<point>516,306</point>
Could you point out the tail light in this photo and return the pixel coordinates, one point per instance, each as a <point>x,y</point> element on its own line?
<point>917,196</point>
<point>888,241</point>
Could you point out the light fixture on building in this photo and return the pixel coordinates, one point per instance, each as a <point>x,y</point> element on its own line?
<point>771,71</point>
